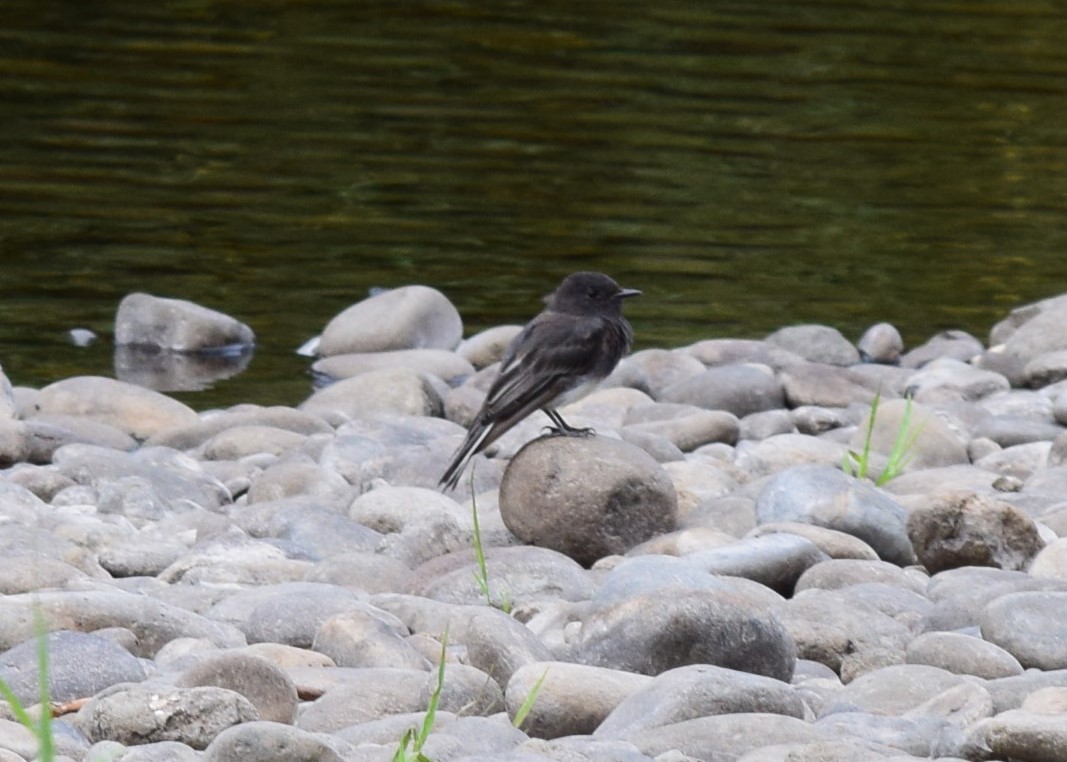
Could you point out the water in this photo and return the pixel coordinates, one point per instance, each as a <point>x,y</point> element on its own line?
<point>747,164</point>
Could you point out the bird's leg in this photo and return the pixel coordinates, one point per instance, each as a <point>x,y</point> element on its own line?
<point>564,429</point>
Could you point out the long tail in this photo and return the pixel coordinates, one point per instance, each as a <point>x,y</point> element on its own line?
<point>471,445</point>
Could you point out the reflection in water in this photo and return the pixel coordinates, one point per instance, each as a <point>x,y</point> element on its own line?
<point>747,165</point>
<point>167,371</point>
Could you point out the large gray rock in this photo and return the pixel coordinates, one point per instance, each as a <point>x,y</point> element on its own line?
<point>1031,626</point>
<point>724,737</point>
<point>367,638</point>
<point>153,622</point>
<point>655,632</point>
<point>586,497</point>
<point>662,368</point>
<point>824,385</point>
<point>391,391</point>
<point>266,686</point>
<point>516,575</point>
<point>699,690</point>
<point>133,409</point>
<point>737,389</point>
<point>774,560</point>
<point>933,444</point>
<point>500,646</point>
<point>967,529</point>
<point>409,317</point>
<point>1024,735</point>
<point>177,325</point>
<point>830,628</point>
<point>829,498</point>
<point>895,689</point>
<point>962,655</point>
<point>1044,332</point>
<point>133,714</point>
<point>947,379</point>
<point>447,366</point>
<point>375,692</point>
<point>573,699</point>
<point>958,345</point>
<point>79,665</point>
<point>816,343</point>
<point>272,742</point>
<point>209,424</point>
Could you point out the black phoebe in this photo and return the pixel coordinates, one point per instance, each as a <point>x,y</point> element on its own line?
<point>557,358</point>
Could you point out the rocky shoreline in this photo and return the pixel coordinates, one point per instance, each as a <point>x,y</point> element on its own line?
<point>717,575</point>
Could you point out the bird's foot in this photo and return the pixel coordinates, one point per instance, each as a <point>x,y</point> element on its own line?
<point>569,431</point>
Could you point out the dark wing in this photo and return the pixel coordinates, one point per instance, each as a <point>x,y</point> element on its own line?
<point>554,353</point>
<point>551,355</point>
<point>542,362</point>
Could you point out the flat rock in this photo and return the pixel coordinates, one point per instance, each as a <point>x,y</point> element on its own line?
<point>833,543</point>
<point>895,689</point>
<point>953,344</point>
<point>516,575</point>
<point>698,690</point>
<point>816,343</point>
<point>1023,735</point>
<point>154,623</point>
<point>782,451</point>
<point>962,655</point>
<point>265,741</point>
<point>573,699</point>
<point>447,366</point>
<point>79,665</point>
<point>774,560</point>
<point>209,424</point>
<point>823,385</point>
<point>653,633</point>
<point>397,391</point>
<point>374,692</point>
<point>947,378</point>
<point>835,574</point>
<point>134,410</point>
<point>736,389</point>
<point>724,736</point>
<point>691,430</point>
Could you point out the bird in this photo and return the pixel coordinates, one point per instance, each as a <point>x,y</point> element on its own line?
<point>557,358</point>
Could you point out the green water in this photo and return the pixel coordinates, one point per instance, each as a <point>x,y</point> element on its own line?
<point>747,164</point>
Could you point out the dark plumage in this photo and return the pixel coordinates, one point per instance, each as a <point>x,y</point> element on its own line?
<point>557,358</point>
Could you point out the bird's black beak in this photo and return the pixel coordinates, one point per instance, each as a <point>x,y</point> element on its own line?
<point>625,292</point>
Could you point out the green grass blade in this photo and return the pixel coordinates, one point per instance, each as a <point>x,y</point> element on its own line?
<point>435,698</point>
<point>481,576</point>
<point>44,724</point>
<point>529,701</point>
<point>17,708</point>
